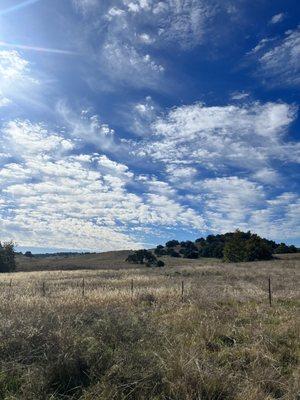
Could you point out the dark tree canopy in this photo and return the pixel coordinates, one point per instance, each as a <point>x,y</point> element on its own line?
<point>172,243</point>
<point>144,257</point>
<point>7,257</point>
<point>231,246</point>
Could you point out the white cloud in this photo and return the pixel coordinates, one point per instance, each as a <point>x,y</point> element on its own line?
<point>86,127</point>
<point>138,117</point>
<point>127,65</point>
<point>85,6</point>
<point>279,60</point>
<point>277,18</point>
<point>145,38</point>
<point>24,138</point>
<point>247,137</point>
<point>52,197</point>
<point>183,22</point>
<point>239,95</point>
<point>127,34</point>
<point>17,80</point>
<point>267,176</point>
<point>232,202</point>
<point>4,101</point>
<point>12,66</point>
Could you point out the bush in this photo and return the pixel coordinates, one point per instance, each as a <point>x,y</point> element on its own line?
<point>7,257</point>
<point>160,263</point>
<point>144,257</point>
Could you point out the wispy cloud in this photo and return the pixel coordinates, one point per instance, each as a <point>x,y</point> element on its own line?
<point>279,60</point>
<point>277,18</point>
<point>247,137</point>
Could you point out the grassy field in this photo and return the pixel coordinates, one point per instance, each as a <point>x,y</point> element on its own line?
<point>133,333</point>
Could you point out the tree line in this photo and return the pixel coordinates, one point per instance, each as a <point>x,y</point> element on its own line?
<point>235,246</point>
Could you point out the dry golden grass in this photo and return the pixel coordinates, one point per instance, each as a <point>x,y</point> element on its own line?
<point>220,341</point>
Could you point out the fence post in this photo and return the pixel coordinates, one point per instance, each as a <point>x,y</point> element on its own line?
<point>10,287</point>
<point>270,292</point>
<point>131,289</point>
<point>182,290</point>
<point>43,289</point>
<point>83,287</point>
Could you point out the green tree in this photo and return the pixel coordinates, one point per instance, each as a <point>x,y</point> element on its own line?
<point>257,249</point>
<point>172,243</point>
<point>234,249</point>
<point>7,257</point>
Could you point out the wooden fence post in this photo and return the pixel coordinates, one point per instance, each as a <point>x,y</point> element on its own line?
<point>43,289</point>
<point>83,287</point>
<point>182,290</point>
<point>131,289</point>
<point>270,292</point>
<point>10,287</point>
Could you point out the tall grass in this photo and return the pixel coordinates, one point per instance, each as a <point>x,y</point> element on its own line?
<point>222,341</point>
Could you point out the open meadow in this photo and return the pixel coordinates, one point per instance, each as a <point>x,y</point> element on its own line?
<point>193,330</point>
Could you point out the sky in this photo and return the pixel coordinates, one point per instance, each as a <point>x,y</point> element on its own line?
<point>127,123</point>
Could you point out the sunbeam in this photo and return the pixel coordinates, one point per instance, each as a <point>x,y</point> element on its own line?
<point>17,7</point>
<point>38,49</point>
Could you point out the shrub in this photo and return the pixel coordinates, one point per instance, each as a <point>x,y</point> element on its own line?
<point>144,257</point>
<point>160,263</point>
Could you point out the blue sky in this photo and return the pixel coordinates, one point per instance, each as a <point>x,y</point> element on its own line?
<point>126,123</point>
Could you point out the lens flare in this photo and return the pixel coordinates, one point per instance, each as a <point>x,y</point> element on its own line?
<point>38,49</point>
<point>17,7</point>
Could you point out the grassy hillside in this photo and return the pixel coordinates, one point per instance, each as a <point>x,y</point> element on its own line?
<point>107,260</point>
<point>217,340</point>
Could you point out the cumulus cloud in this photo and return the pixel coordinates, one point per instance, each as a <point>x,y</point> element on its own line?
<point>279,59</point>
